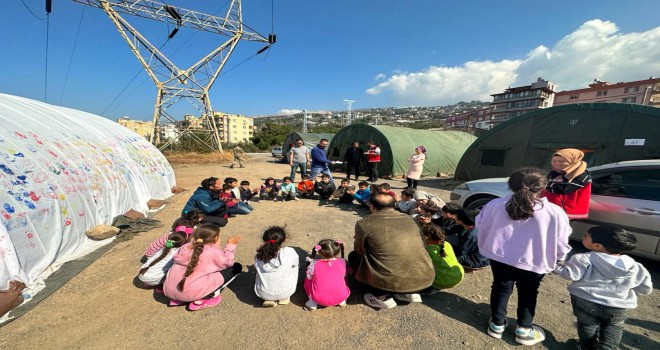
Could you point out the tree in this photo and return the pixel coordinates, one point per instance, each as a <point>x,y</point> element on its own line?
<point>271,134</point>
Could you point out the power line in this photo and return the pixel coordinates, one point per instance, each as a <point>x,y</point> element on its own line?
<point>46,70</point>
<point>73,51</point>
<point>33,15</point>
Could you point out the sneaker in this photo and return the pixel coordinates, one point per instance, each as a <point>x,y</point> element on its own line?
<point>311,305</point>
<point>295,198</point>
<point>496,331</point>
<point>269,303</point>
<point>284,301</point>
<point>342,304</point>
<point>529,336</point>
<point>373,301</point>
<point>175,303</point>
<point>410,298</point>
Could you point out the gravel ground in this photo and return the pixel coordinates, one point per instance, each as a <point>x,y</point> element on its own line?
<point>102,308</point>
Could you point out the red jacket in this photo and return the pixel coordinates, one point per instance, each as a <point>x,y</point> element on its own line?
<point>573,197</point>
<point>373,154</point>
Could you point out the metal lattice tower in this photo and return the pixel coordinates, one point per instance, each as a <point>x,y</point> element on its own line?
<point>349,116</point>
<point>175,84</point>
<point>304,121</point>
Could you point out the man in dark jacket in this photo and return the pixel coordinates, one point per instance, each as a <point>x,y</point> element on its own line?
<point>353,157</point>
<point>206,201</point>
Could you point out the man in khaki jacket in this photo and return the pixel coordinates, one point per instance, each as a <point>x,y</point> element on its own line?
<point>389,255</point>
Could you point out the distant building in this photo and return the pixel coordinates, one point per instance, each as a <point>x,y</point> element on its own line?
<point>140,127</point>
<point>522,99</point>
<point>234,128</point>
<point>169,132</point>
<point>476,118</point>
<point>644,92</point>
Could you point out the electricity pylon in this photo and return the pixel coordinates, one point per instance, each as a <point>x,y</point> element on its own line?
<point>174,84</point>
<point>349,115</point>
<point>304,121</point>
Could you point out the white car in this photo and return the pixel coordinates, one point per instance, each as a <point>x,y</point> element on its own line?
<point>276,151</point>
<point>625,194</point>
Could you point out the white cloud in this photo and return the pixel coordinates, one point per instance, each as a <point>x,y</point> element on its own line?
<point>594,50</point>
<point>289,111</point>
<point>380,76</point>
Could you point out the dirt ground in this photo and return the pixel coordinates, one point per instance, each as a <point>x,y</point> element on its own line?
<point>101,308</point>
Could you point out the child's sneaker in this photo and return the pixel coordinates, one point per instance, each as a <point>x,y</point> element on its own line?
<point>342,304</point>
<point>529,336</point>
<point>496,331</point>
<point>409,298</point>
<point>311,305</point>
<point>284,301</point>
<point>373,301</point>
<point>269,303</point>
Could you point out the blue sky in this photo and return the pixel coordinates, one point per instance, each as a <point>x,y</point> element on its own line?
<point>378,53</point>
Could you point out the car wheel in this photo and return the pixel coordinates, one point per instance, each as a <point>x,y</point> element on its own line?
<point>479,203</point>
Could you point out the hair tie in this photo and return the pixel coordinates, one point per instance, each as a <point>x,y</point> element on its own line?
<point>184,229</point>
<point>317,248</point>
<point>338,241</point>
<point>271,241</point>
<point>199,240</point>
<point>169,243</point>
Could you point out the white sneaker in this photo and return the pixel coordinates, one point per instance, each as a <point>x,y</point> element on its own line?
<point>410,298</point>
<point>373,301</point>
<point>295,198</point>
<point>342,304</point>
<point>311,305</point>
<point>269,303</point>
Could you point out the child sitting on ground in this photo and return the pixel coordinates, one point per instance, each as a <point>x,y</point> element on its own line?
<point>277,269</point>
<point>448,223</point>
<point>344,192</point>
<point>240,207</point>
<point>448,271</point>
<point>362,195</point>
<point>428,213</point>
<point>152,273</point>
<point>325,282</point>
<point>467,251</point>
<point>325,187</point>
<point>385,188</point>
<point>200,269</point>
<point>605,285</point>
<point>288,189</point>
<point>231,202</point>
<point>186,224</point>
<point>305,187</point>
<point>269,190</point>
<point>246,193</point>
<point>407,203</point>
<point>423,197</point>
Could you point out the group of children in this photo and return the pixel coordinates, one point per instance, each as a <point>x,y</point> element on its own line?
<point>189,266</point>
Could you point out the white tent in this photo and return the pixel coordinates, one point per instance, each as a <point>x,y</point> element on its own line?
<point>64,171</point>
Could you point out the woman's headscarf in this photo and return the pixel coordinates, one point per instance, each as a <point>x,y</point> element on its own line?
<point>573,156</point>
<point>422,149</point>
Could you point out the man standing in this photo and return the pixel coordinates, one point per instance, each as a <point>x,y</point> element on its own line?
<point>320,160</point>
<point>373,159</point>
<point>353,157</point>
<point>298,158</point>
<point>389,255</point>
<point>238,156</point>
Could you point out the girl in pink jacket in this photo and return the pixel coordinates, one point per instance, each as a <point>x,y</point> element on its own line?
<point>196,277</point>
<point>325,283</point>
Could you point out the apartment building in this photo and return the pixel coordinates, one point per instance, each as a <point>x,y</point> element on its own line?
<point>522,99</point>
<point>644,92</point>
<point>234,128</point>
<point>478,118</point>
<point>140,127</point>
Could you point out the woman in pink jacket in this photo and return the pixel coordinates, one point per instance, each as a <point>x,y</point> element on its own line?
<point>199,266</point>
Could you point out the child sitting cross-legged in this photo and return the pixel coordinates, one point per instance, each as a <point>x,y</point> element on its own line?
<point>305,187</point>
<point>362,195</point>
<point>344,192</point>
<point>325,187</point>
<point>407,204</point>
<point>448,271</point>
<point>604,287</point>
<point>277,269</point>
<point>269,190</point>
<point>288,189</point>
<point>467,251</point>
<point>246,193</point>
<point>201,268</point>
<point>325,283</point>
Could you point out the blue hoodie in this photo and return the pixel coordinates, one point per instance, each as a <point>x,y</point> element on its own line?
<point>319,158</point>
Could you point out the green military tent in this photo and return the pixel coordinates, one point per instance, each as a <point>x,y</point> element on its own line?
<point>444,148</point>
<point>606,132</point>
<point>311,140</point>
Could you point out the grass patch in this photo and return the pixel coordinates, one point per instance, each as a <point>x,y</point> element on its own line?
<point>199,158</point>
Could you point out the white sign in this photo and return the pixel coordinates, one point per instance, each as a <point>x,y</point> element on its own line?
<point>634,142</point>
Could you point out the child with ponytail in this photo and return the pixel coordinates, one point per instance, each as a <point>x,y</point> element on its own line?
<point>153,272</point>
<point>200,269</point>
<point>448,271</point>
<point>277,269</point>
<point>325,283</point>
<point>185,224</point>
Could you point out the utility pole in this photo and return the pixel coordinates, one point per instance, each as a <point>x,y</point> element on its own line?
<point>173,83</point>
<point>304,121</point>
<point>349,118</point>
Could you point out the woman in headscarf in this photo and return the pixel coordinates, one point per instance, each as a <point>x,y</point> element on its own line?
<point>416,166</point>
<point>569,183</point>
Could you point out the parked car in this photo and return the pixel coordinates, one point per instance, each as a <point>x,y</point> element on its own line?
<point>625,194</point>
<point>276,151</point>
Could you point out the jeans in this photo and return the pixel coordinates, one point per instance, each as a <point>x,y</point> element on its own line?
<point>373,171</point>
<point>240,208</point>
<point>319,169</point>
<point>527,283</point>
<point>294,168</point>
<point>350,167</point>
<point>599,326</point>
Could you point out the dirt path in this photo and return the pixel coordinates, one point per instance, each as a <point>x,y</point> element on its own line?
<point>102,309</point>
